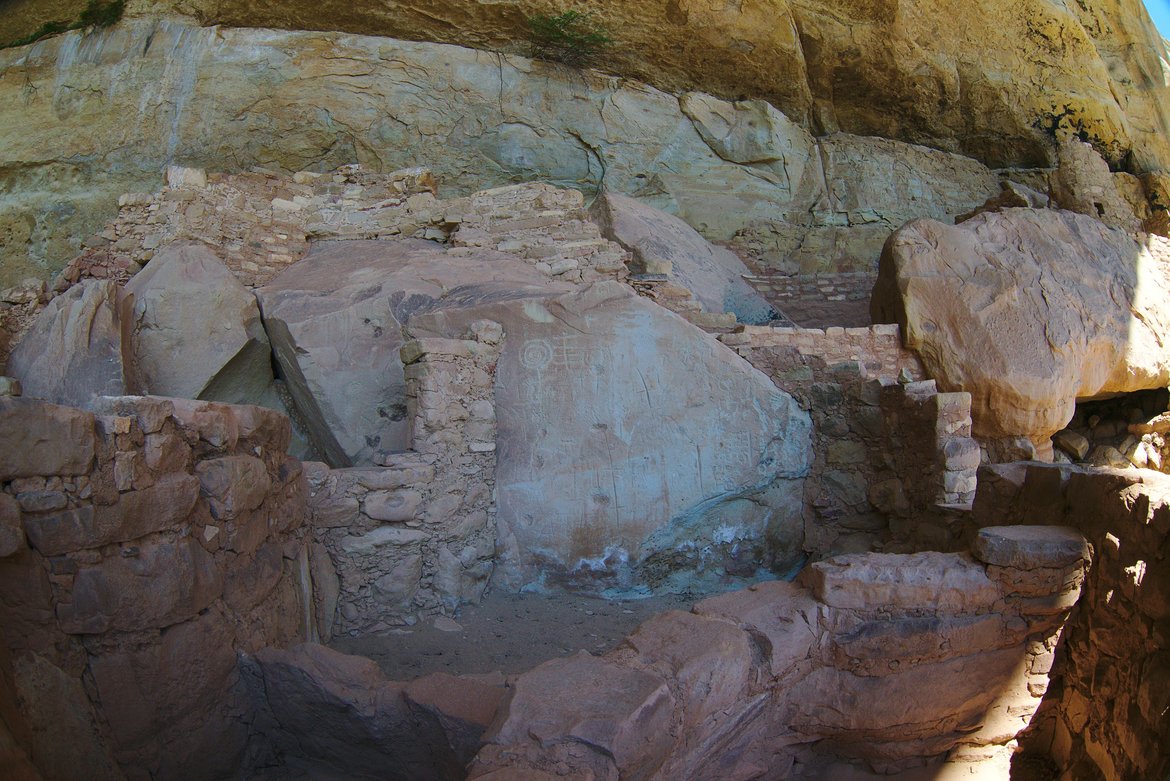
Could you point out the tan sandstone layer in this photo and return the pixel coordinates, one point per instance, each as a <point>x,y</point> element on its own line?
<point>985,79</point>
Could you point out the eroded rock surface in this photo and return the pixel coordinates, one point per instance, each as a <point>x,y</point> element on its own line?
<point>230,98</point>
<point>986,79</point>
<point>631,445</point>
<point>336,322</point>
<point>197,331</point>
<point>1029,310</point>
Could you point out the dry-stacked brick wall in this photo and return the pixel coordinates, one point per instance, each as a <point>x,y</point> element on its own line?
<point>1107,712</point>
<point>416,535</point>
<point>888,447</point>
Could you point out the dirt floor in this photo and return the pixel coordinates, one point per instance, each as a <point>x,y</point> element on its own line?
<point>508,633</point>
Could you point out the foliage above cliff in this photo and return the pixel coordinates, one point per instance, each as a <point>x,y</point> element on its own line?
<point>95,14</point>
<point>572,37</point>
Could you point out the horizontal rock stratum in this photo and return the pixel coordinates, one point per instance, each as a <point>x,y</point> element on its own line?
<point>985,79</point>
<point>88,117</point>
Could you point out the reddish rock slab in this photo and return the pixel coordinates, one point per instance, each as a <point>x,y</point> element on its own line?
<point>917,582</point>
<point>147,587</point>
<point>712,660</point>
<point>464,708</point>
<point>782,616</point>
<point>165,505</point>
<point>625,714</point>
<point>78,347</point>
<point>1030,547</point>
<point>44,439</point>
<point>340,718</point>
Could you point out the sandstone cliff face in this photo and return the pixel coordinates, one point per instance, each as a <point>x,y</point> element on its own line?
<point>85,118</point>
<point>985,79</point>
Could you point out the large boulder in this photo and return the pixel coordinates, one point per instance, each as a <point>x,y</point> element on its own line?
<point>1029,310</point>
<point>197,331</point>
<point>335,320</point>
<point>662,243</point>
<point>78,347</point>
<point>635,451</point>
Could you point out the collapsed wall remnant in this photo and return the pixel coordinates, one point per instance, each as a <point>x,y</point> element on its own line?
<point>1107,711</point>
<point>889,449</point>
<point>417,533</point>
<point>143,544</point>
<point>796,680</point>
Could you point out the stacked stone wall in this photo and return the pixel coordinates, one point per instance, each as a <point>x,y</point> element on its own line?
<point>141,546</point>
<point>261,222</point>
<point>418,534</point>
<point>1107,712</point>
<point>888,447</point>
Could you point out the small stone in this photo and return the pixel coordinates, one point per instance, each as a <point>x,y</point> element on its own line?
<point>179,176</point>
<point>1104,455</point>
<point>1030,547</point>
<point>1072,443</point>
<point>42,501</point>
<point>444,624</point>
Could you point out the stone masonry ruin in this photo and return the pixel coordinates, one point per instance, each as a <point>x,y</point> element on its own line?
<point>389,409</point>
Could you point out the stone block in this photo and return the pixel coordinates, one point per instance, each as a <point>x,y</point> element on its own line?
<point>392,506</point>
<point>329,512</point>
<point>11,533</point>
<point>381,537</point>
<point>961,454</point>
<point>214,423</point>
<point>150,412</point>
<point>152,587</point>
<point>165,505</point>
<point>1030,547</point>
<point>931,582</point>
<point>44,439</point>
<point>1071,442</point>
<point>882,647</point>
<point>233,485</point>
<point>861,713</point>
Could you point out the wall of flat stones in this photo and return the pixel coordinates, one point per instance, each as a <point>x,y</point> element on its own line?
<point>887,450</point>
<point>417,535</point>
<point>1107,712</point>
<point>822,301</point>
<point>142,544</point>
<point>261,222</point>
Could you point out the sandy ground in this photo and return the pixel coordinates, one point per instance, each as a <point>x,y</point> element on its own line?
<point>508,633</point>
